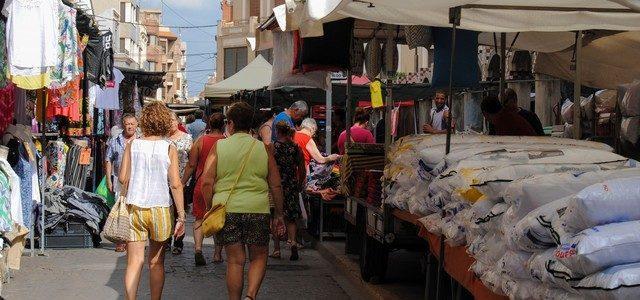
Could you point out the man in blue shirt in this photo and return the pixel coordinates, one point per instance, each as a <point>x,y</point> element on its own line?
<point>296,112</point>
<point>197,128</point>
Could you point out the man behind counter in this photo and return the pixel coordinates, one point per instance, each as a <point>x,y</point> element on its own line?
<point>510,100</point>
<point>438,116</point>
<point>504,121</point>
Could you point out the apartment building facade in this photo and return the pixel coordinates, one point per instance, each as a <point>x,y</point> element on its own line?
<point>166,53</point>
<point>122,18</point>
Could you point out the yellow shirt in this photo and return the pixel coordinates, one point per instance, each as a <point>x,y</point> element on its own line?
<point>251,194</point>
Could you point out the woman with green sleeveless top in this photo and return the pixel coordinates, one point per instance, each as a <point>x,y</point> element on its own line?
<point>241,170</point>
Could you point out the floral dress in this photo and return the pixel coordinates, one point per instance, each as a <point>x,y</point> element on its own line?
<point>288,157</point>
<point>183,145</point>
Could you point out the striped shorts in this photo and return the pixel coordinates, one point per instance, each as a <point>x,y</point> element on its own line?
<point>155,223</point>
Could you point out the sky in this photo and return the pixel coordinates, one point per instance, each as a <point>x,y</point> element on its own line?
<point>199,40</point>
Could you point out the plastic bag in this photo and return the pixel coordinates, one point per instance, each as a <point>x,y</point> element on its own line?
<point>630,129</point>
<point>513,264</point>
<point>611,201</point>
<point>103,191</point>
<point>433,223</point>
<point>532,232</point>
<point>601,247</point>
<point>618,282</point>
<point>546,268</point>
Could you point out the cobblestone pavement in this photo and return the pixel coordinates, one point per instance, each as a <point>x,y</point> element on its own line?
<point>99,273</point>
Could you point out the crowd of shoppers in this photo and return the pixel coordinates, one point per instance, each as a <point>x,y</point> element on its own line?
<point>255,162</point>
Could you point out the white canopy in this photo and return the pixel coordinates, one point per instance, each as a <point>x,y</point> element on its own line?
<point>255,75</point>
<point>483,15</point>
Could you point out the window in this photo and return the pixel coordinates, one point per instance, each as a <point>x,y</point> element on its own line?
<point>123,43</point>
<point>152,66</point>
<point>234,60</point>
<point>123,11</point>
<point>153,40</point>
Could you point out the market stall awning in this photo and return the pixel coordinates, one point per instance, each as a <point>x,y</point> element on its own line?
<point>255,75</point>
<point>607,62</point>
<point>484,15</point>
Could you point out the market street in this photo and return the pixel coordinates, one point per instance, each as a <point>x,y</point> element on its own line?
<point>98,274</point>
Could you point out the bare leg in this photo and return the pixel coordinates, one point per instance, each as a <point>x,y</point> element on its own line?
<point>292,231</point>
<point>276,247</point>
<point>135,261</point>
<point>197,235</point>
<point>156,268</point>
<point>235,270</point>
<point>257,268</point>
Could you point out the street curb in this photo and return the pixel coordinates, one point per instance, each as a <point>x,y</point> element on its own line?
<point>352,272</point>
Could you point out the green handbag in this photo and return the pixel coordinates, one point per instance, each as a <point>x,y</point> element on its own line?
<point>103,191</point>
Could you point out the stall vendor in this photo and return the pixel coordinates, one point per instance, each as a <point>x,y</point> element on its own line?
<point>360,132</point>
<point>510,101</point>
<point>439,115</point>
<point>504,121</point>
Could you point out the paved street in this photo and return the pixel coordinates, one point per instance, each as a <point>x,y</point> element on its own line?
<point>99,273</point>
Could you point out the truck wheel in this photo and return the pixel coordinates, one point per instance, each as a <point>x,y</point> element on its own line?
<point>373,260</point>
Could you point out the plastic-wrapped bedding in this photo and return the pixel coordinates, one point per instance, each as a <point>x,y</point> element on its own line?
<point>615,200</point>
<point>601,247</point>
<point>544,267</point>
<point>513,264</point>
<point>532,232</point>
<point>491,221</point>
<point>523,289</point>
<point>527,194</point>
<point>616,283</point>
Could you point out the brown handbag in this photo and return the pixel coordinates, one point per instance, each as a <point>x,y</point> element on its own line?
<point>213,220</point>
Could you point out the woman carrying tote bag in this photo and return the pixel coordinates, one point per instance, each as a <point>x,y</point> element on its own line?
<point>147,164</point>
<point>245,193</point>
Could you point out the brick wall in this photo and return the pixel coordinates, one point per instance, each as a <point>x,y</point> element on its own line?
<point>254,8</point>
<point>278,2</point>
<point>227,11</point>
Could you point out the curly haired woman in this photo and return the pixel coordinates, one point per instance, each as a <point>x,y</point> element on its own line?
<point>146,165</point>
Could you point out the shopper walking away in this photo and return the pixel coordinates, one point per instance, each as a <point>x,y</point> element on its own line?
<point>304,139</point>
<point>114,155</point>
<point>146,165</point>
<point>360,132</point>
<point>243,171</point>
<point>296,112</point>
<point>197,158</point>
<point>290,163</point>
<point>197,127</point>
<point>182,141</point>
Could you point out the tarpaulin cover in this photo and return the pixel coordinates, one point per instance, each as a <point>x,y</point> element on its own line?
<point>550,15</point>
<point>255,75</point>
<point>466,72</point>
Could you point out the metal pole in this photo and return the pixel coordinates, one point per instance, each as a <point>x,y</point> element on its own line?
<point>577,85</point>
<point>348,110</point>
<point>329,112</point>
<point>454,19</point>
<point>503,63</point>
<point>43,140</point>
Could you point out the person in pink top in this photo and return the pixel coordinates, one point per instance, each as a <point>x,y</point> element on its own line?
<point>359,131</point>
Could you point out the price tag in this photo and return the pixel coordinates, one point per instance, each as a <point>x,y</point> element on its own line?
<point>85,156</point>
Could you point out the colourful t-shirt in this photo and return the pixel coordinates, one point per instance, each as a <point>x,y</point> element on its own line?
<point>358,135</point>
<point>283,116</point>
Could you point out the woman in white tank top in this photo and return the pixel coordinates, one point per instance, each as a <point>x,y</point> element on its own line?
<point>147,165</point>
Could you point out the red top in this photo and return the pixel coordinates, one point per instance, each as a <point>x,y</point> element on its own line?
<point>511,123</point>
<point>302,140</point>
<point>358,135</point>
<point>182,128</point>
<point>207,143</point>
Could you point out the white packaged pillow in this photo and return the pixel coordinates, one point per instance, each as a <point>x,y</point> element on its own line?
<point>616,283</point>
<point>601,247</point>
<point>616,200</point>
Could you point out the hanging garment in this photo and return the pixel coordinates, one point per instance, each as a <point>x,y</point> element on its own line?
<point>99,59</point>
<point>331,51</point>
<point>17,238</point>
<point>7,107</point>
<point>3,54</point>
<point>56,152</point>
<point>357,57</point>
<point>76,173</point>
<point>67,68</point>
<point>373,58</point>
<point>390,66</point>
<point>375,88</point>
<point>23,169</point>
<point>65,101</point>
<point>5,202</point>
<point>418,36</point>
<point>33,82</point>
<point>137,107</point>
<point>283,62</point>
<point>22,107</point>
<point>16,198</point>
<point>32,34</point>
<point>107,97</point>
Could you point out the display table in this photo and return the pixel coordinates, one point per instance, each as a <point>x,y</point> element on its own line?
<point>326,217</point>
<point>457,260</point>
